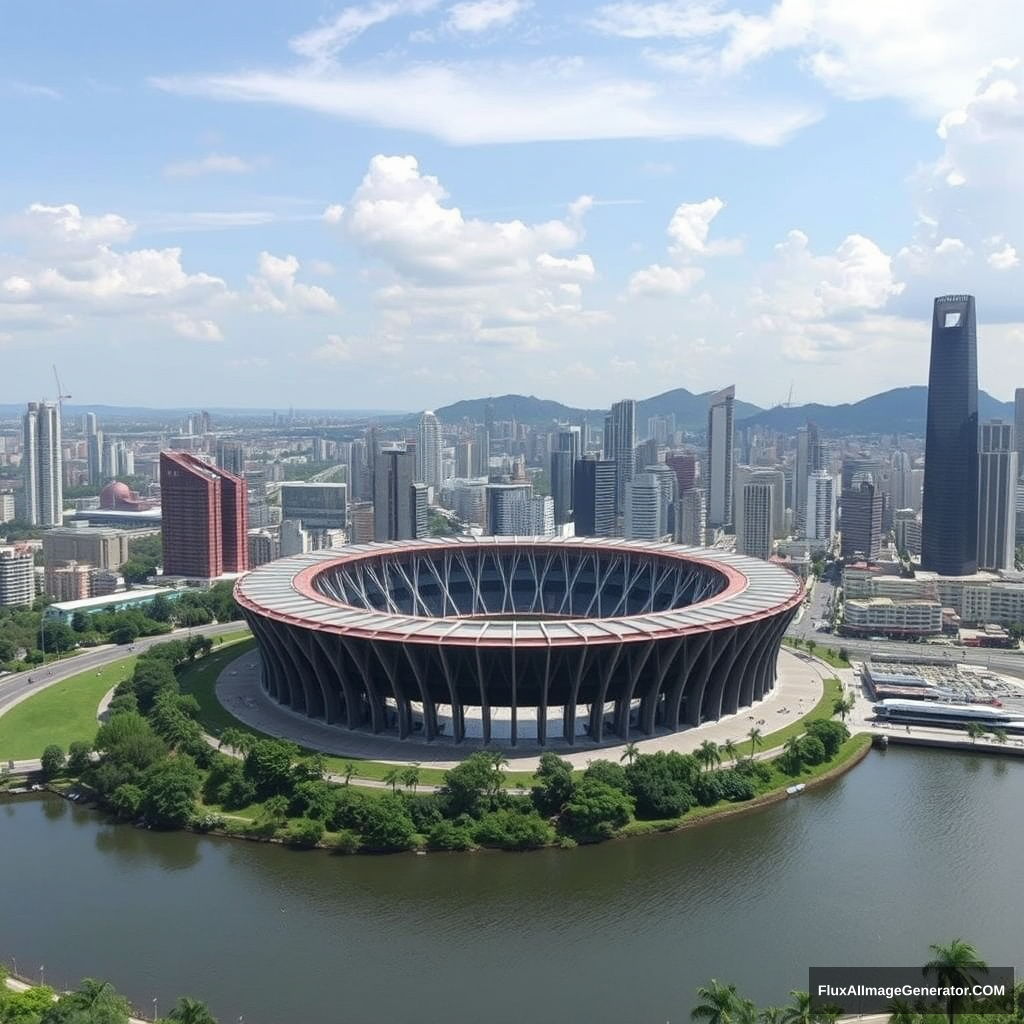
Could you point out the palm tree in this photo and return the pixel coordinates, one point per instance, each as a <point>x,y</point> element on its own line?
<point>770,1015</point>
<point>499,762</point>
<point>954,966</point>
<point>794,756</point>
<point>708,755</point>
<point>392,777</point>
<point>799,1011</point>
<point>811,645</point>
<point>902,1012</point>
<point>229,738</point>
<point>411,776</point>
<point>719,1004</point>
<point>731,751</point>
<point>191,1011</point>
<point>842,706</point>
<point>629,752</point>
<point>90,992</point>
<point>349,771</point>
<point>756,738</point>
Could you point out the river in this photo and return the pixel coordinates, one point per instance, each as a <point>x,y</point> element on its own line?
<point>911,847</point>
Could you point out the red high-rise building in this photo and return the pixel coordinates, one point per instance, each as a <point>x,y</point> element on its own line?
<point>685,469</point>
<point>205,528</point>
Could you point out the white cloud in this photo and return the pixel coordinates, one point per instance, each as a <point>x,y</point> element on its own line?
<point>275,290</point>
<point>657,280</point>
<point>65,232</point>
<point>508,101</point>
<point>336,349</point>
<point>1003,259</point>
<point>195,330</point>
<point>475,16</point>
<point>690,226</point>
<point>323,43</point>
<point>33,89</point>
<point>213,163</point>
<point>923,52</point>
<point>333,214</point>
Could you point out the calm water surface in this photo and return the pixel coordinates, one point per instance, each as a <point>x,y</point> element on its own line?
<point>911,847</point>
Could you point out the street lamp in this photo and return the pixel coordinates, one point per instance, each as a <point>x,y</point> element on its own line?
<point>155,1014</point>
<point>42,974</point>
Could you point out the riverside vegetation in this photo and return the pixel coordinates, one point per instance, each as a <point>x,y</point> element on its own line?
<point>151,763</point>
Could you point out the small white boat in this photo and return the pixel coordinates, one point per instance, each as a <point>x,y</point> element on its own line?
<point>794,790</point>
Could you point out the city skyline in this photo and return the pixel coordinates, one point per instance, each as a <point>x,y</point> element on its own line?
<point>279,228</point>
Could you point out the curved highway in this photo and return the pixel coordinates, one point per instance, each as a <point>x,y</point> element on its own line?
<point>15,688</point>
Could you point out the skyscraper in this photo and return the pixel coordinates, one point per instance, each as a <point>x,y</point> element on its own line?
<point>820,507</point>
<point>41,464</point>
<point>231,457</point>
<point>949,528</point>
<point>1018,426</point>
<point>861,522</point>
<point>809,459</point>
<point>997,495</point>
<point>685,468</point>
<point>902,480</point>
<point>393,511</point>
<point>428,451</point>
<point>621,445</point>
<point>644,508</point>
<point>720,456</point>
<point>758,523</point>
<point>205,520</point>
<point>594,498</point>
<point>561,486</point>
<point>691,517</point>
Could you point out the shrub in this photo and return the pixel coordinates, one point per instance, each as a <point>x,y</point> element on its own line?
<point>508,829</point>
<point>126,800</point>
<point>759,771</point>
<point>387,825</point>
<point>78,757</point>
<point>448,835</point>
<point>349,809</point>
<point>707,789</point>
<point>608,772</point>
<point>347,841</point>
<point>556,784</point>
<point>832,734</point>
<point>656,787</point>
<point>305,833</point>
<point>312,799</point>
<point>812,750</point>
<point>596,810</point>
<point>735,786</point>
<point>52,761</point>
<point>425,811</point>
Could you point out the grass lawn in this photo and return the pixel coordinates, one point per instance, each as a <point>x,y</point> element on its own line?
<point>827,654</point>
<point>833,689</point>
<point>61,714</point>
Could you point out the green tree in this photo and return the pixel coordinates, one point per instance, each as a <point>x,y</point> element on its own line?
<point>999,735</point>
<point>608,772</point>
<point>812,750</point>
<point>770,1015</point>
<point>305,833</point>
<point>595,810</point>
<point>556,784</point>
<point>269,766</point>
<point>80,622</point>
<point>160,608</point>
<point>272,815</point>
<point>842,706</point>
<point>756,739</point>
<point>954,965</point>
<point>730,751</point>
<point>719,1004</point>
<point>59,638</point>
<point>126,800</point>
<point>975,730</point>
<point>191,1011</point>
<point>127,633</point>
<point>629,752</point>
<point>52,761</point>
<point>78,757</point>
<point>708,754</point>
<point>656,783</point>
<point>449,835</point>
<point>799,1010</point>
<point>349,771</point>
<point>411,777</point>
<point>169,789</point>
<point>792,759</point>
<point>902,1012</point>
<point>386,824</point>
<point>467,786</point>
<point>392,777</point>
<point>510,829</point>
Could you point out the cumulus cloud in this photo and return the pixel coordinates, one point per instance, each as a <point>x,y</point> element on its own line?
<point>65,232</point>
<point>475,16</point>
<point>444,277</point>
<point>1004,258</point>
<point>195,329</point>
<point>213,163</point>
<point>275,290</point>
<point>659,281</point>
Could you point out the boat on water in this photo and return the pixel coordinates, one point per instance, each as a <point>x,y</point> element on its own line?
<point>794,790</point>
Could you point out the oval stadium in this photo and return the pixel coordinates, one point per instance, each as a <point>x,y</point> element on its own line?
<point>526,640</point>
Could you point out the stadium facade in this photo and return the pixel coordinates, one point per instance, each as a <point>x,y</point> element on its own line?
<point>529,639</point>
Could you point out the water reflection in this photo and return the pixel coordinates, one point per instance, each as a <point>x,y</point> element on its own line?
<point>139,847</point>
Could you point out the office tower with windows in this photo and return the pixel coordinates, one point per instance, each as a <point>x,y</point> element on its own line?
<point>204,518</point>
<point>393,511</point>
<point>1018,426</point>
<point>949,528</point>
<point>860,522</point>
<point>810,458</point>
<point>41,464</point>
<point>620,435</point>
<point>758,520</point>
<point>820,507</point>
<point>644,508</point>
<point>692,517</point>
<point>561,486</point>
<point>594,498</point>
<point>997,495</point>
<point>720,457</point>
<point>428,451</point>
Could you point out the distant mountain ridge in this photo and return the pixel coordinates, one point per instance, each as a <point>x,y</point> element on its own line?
<point>899,411</point>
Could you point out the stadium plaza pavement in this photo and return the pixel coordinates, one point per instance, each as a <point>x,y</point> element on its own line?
<point>798,688</point>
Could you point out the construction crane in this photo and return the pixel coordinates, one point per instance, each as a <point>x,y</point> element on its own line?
<point>788,404</point>
<point>60,393</point>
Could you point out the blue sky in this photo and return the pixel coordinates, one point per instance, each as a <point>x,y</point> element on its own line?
<point>400,203</point>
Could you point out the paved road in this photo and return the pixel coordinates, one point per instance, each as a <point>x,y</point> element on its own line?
<point>15,688</point>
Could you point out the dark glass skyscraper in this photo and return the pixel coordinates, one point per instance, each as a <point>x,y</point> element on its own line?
<point>949,527</point>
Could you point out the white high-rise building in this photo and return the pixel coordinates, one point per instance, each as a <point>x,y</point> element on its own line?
<point>644,508</point>
<point>666,477</point>
<point>997,495</point>
<point>820,504</point>
<point>758,528</point>
<point>902,480</point>
<point>294,540</point>
<point>691,518</point>
<point>621,447</point>
<point>41,464</point>
<point>720,457</point>
<point>17,576</point>
<point>428,452</point>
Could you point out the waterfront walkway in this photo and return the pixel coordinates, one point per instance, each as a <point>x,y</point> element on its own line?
<point>17,985</point>
<point>798,689</point>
